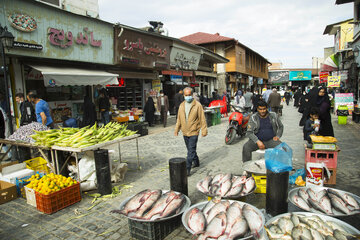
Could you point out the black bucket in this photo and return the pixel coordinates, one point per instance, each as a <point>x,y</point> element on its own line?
<point>277,185</point>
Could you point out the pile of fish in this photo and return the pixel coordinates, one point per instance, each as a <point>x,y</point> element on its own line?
<point>221,219</point>
<point>326,201</point>
<point>152,205</point>
<point>296,226</point>
<point>24,133</point>
<point>226,185</point>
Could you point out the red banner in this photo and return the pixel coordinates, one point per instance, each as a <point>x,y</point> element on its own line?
<point>323,77</point>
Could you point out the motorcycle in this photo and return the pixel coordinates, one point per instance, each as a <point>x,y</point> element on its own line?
<point>238,121</point>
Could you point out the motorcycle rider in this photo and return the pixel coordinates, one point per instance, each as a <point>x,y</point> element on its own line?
<point>264,131</point>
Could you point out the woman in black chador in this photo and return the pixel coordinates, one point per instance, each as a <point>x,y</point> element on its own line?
<point>149,111</point>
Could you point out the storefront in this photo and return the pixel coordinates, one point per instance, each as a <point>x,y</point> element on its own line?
<point>300,79</point>
<point>56,54</point>
<point>279,78</point>
<point>139,58</point>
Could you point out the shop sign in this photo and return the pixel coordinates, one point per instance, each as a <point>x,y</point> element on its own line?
<point>251,80</point>
<point>184,59</point>
<point>300,75</point>
<point>27,45</point>
<point>323,77</point>
<point>343,74</point>
<point>194,85</point>
<point>156,85</point>
<point>279,76</point>
<point>334,81</point>
<point>22,22</point>
<point>344,99</point>
<point>260,81</point>
<point>58,37</point>
<point>148,50</point>
<point>35,75</point>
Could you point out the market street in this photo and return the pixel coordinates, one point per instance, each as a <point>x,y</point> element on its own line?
<point>19,220</point>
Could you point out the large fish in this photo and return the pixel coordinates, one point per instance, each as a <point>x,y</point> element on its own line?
<point>153,196</point>
<point>174,206</point>
<point>233,212</point>
<point>224,187</point>
<point>196,221</point>
<point>134,203</point>
<point>253,219</point>
<point>339,204</point>
<point>321,194</point>
<point>325,204</point>
<point>303,194</point>
<point>249,186</point>
<point>215,228</point>
<point>351,201</point>
<point>203,185</point>
<point>316,205</point>
<point>311,194</point>
<point>160,205</point>
<point>301,203</point>
<point>217,178</point>
<point>218,208</point>
<point>209,205</point>
<point>239,228</point>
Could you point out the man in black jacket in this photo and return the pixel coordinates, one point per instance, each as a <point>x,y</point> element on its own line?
<point>179,98</point>
<point>27,112</point>
<point>104,106</point>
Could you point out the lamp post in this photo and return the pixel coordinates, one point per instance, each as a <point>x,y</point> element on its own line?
<point>6,40</point>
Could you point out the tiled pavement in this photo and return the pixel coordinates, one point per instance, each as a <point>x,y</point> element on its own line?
<point>19,220</point>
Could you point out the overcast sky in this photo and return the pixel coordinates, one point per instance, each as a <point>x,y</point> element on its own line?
<point>287,31</point>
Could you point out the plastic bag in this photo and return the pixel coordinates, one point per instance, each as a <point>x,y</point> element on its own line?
<point>279,159</point>
<point>300,172</point>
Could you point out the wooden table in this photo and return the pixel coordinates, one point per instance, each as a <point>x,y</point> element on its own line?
<point>40,148</point>
<point>76,151</point>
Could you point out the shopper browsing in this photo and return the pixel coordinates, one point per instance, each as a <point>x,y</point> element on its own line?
<point>42,111</point>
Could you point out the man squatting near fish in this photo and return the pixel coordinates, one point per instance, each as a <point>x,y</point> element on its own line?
<point>264,131</point>
<point>190,120</point>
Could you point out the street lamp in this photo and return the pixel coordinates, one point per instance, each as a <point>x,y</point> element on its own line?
<point>6,40</point>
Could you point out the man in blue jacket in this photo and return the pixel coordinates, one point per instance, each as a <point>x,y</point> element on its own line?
<point>264,131</point>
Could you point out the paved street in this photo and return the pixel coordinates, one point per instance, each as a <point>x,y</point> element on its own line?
<point>19,220</point>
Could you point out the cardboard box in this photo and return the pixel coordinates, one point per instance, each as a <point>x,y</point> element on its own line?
<point>7,164</point>
<point>7,192</point>
<point>10,173</point>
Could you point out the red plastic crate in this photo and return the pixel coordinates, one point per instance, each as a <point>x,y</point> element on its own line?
<point>58,200</point>
<point>319,156</point>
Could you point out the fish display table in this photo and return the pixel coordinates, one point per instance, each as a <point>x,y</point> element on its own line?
<point>76,151</point>
<point>40,148</point>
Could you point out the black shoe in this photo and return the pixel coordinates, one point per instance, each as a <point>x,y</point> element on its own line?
<point>196,165</point>
<point>188,172</point>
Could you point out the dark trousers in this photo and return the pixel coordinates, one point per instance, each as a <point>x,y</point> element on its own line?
<point>190,143</point>
<point>163,115</point>
<point>275,109</point>
<point>287,101</point>
<point>251,146</point>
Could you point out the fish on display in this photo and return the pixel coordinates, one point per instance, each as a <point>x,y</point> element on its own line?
<point>152,205</point>
<point>224,221</point>
<point>302,227</point>
<point>326,201</point>
<point>196,221</point>
<point>226,185</point>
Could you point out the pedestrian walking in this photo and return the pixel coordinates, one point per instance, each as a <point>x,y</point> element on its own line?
<point>266,95</point>
<point>89,112</point>
<point>42,111</point>
<point>149,110</point>
<point>104,106</point>
<point>274,101</point>
<point>178,99</point>
<point>264,131</point>
<point>163,106</point>
<point>256,98</point>
<point>27,112</point>
<point>190,120</point>
<point>297,97</point>
<point>323,103</point>
<point>248,100</point>
<point>287,96</point>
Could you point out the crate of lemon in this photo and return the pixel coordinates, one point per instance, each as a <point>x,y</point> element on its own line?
<point>54,192</point>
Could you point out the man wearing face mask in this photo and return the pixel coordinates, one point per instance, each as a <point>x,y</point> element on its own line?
<point>163,106</point>
<point>190,120</point>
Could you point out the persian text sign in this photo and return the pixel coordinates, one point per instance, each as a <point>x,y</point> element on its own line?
<point>344,99</point>
<point>333,81</point>
<point>156,85</point>
<point>278,76</point>
<point>300,75</point>
<point>58,37</point>
<point>323,77</point>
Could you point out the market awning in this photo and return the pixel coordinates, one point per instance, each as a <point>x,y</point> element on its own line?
<point>54,76</point>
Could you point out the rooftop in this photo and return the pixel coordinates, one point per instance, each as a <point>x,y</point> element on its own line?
<point>201,38</point>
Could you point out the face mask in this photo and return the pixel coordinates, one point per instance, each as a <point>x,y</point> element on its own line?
<point>161,94</point>
<point>188,99</point>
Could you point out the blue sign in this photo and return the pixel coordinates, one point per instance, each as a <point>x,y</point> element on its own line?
<point>300,75</point>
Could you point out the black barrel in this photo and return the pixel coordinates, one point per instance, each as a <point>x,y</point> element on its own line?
<point>277,185</point>
<point>103,173</point>
<point>178,175</point>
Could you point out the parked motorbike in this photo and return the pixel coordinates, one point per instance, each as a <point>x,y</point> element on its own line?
<point>238,121</point>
